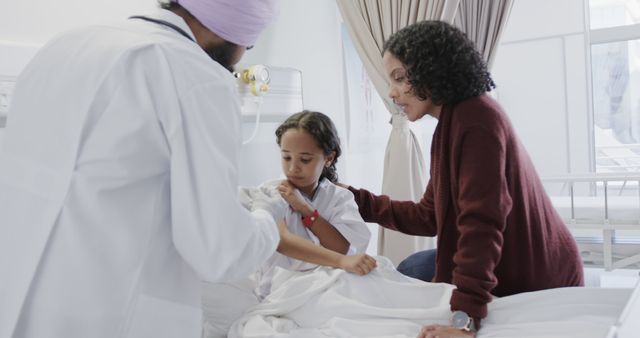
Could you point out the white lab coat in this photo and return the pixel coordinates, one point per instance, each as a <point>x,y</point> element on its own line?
<point>118,184</point>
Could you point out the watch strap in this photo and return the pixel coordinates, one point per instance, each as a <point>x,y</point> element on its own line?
<point>308,220</point>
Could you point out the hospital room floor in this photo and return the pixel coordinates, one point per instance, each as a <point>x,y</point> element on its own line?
<point>619,278</point>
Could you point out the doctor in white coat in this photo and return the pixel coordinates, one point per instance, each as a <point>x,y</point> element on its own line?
<point>118,176</point>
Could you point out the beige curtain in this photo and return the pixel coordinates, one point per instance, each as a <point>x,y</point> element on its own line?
<point>483,21</point>
<point>370,23</point>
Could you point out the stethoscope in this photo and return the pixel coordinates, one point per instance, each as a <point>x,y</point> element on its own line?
<point>164,23</point>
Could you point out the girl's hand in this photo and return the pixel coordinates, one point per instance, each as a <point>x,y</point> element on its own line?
<point>294,197</point>
<point>360,264</point>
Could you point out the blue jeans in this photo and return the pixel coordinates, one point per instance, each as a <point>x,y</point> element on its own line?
<point>420,265</point>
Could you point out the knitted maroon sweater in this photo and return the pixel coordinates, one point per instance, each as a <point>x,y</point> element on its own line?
<point>498,233</point>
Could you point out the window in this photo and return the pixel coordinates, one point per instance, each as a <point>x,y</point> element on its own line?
<point>615,73</point>
<point>572,90</point>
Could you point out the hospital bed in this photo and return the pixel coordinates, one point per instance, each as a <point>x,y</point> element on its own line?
<point>596,207</point>
<point>332,303</point>
<point>329,302</point>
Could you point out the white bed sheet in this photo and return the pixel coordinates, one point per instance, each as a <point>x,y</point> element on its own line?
<point>332,303</point>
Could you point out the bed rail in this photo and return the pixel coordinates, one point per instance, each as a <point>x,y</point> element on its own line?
<point>602,183</point>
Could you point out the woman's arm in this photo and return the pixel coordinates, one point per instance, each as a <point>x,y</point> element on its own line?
<point>484,205</point>
<point>299,248</point>
<point>405,216</point>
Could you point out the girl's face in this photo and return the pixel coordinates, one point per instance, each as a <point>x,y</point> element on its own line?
<point>302,159</point>
<point>401,92</point>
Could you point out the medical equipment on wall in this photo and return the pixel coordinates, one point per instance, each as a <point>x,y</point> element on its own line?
<point>268,95</point>
<point>268,92</point>
<point>256,77</point>
<point>253,83</point>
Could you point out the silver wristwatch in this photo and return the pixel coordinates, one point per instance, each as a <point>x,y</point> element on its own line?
<point>462,321</point>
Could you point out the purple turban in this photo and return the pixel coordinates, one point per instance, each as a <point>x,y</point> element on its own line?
<point>237,21</point>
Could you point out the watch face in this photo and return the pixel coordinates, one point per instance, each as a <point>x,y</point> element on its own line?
<point>459,319</point>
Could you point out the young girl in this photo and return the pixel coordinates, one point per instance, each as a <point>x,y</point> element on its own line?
<point>322,225</point>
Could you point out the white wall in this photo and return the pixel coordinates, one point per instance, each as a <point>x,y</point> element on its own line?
<point>532,19</point>
<point>27,25</point>
<point>541,73</point>
<point>36,21</point>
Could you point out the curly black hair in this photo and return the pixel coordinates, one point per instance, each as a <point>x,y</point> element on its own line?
<point>442,63</point>
<point>323,131</point>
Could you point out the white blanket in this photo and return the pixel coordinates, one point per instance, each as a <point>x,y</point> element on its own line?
<point>332,303</point>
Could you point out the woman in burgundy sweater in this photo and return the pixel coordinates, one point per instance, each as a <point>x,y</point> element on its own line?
<point>498,233</point>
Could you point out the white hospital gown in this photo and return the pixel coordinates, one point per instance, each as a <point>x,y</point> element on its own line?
<point>336,205</point>
<point>225,302</point>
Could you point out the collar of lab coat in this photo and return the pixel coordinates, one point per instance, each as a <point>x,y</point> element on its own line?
<point>171,17</point>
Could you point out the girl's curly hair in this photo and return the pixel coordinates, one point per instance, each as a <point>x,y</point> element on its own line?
<point>442,63</point>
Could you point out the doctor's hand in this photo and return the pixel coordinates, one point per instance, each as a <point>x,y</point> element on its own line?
<point>360,264</point>
<point>443,331</point>
<point>294,197</point>
<point>245,196</point>
<point>271,202</point>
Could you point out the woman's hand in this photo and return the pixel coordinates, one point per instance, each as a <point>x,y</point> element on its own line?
<point>294,197</point>
<point>346,186</point>
<point>360,264</point>
<point>442,331</point>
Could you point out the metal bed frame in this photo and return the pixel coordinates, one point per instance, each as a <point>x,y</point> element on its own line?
<point>606,224</point>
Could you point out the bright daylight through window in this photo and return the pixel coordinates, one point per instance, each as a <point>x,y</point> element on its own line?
<point>615,64</point>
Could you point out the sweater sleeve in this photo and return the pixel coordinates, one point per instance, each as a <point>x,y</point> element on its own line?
<point>404,216</point>
<point>483,203</point>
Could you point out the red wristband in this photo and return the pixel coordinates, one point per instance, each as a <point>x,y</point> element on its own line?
<point>308,220</point>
